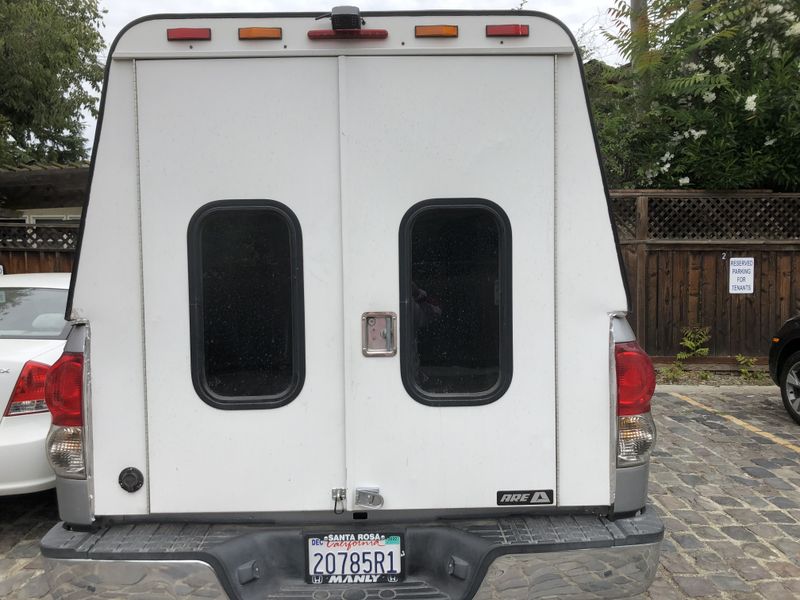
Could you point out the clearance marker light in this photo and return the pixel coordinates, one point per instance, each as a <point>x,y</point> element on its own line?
<point>507,31</point>
<point>188,34</point>
<point>437,31</point>
<point>260,33</point>
<point>348,34</point>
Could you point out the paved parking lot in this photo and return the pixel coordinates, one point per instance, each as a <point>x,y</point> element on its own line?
<point>725,479</point>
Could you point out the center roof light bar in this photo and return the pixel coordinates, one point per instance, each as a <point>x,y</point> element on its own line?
<point>346,24</point>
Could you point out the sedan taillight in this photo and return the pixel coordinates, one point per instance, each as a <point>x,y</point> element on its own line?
<point>28,395</point>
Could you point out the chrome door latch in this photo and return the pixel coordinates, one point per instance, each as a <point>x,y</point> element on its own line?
<point>338,495</point>
<point>368,498</point>
<point>379,334</point>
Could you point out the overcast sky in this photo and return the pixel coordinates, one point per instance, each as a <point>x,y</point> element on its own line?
<point>584,17</point>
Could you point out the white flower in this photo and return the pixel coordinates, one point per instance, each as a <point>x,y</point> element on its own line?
<point>722,64</point>
<point>650,173</point>
<point>750,103</point>
<point>757,21</point>
<point>698,134</point>
<point>770,141</point>
<point>709,96</point>
<point>794,29</point>
<point>683,181</point>
<point>774,9</point>
<point>693,66</point>
<point>665,167</point>
<point>667,157</point>
<point>686,134</point>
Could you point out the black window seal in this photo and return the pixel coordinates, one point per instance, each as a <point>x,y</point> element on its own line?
<point>196,330</point>
<point>406,328</point>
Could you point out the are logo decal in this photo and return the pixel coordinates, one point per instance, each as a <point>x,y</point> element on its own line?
<point>524,497</point>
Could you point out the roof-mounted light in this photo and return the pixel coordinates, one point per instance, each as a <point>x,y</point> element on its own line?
<point>348,34</point>
<point>507,31</point>
<point>436,31</point>
<point>346,24</point>
<point>188,34</point>
<point>260,33</point>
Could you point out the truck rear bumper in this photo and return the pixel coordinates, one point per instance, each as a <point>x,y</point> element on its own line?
<point>515,557</point>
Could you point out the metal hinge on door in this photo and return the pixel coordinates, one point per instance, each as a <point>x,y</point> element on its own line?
<point>338,495</point>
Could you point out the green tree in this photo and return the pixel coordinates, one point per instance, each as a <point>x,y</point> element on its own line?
<point>711,97</point>
<point>50,72</point>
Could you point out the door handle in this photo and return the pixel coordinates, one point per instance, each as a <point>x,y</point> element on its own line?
<point>379,334</point>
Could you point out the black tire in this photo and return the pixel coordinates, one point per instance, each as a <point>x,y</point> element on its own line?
<point>789,380</point>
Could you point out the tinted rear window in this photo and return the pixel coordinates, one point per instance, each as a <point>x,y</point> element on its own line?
<point>36,313</point>
<point>246,304</point>
<point>455,302</point>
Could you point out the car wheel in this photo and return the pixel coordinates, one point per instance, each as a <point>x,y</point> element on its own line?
<point>790,385</point>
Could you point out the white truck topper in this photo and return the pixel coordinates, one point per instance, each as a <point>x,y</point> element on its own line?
<point>357,272</point>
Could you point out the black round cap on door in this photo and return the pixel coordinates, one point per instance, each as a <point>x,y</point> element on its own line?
<point>131,479</point>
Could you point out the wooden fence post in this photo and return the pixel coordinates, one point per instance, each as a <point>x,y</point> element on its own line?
<point>640,300</point>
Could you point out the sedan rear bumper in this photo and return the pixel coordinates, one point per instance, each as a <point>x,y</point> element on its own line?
<point>23,462</point>
<point>515,557</point>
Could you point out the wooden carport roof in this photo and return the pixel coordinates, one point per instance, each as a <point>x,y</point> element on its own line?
<point>43,185</point>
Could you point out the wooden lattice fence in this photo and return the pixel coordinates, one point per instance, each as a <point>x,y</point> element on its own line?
<point>676,245</point>
<point>37,248</point>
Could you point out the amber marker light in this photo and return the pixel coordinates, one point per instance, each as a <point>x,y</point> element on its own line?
<point>776,340</point>
<point>260,33</point>
<point>437,31</point>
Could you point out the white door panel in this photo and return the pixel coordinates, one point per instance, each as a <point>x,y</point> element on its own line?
<point>252,142</point>
<point>389,132</point>
<point>448,127</point>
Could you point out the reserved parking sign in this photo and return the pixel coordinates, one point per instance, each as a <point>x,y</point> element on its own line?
<point>740,280</point>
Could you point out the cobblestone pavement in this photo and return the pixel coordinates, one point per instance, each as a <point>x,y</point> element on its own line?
<point>725,478</point>
<point>729,496</point>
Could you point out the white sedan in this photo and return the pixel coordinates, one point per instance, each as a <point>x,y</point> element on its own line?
<point>32,336</point>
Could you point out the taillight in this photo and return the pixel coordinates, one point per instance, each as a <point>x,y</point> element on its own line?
<point>63,392</point>
<point>636,382</point>
<point>28,394</point>
<point>636,379</point>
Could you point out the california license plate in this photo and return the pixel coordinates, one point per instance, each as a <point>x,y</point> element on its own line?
<point>355,558</point>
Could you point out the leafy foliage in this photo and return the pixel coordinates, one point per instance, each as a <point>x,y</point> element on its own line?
<point>710,99</point>
<point>50,72</point>
<point>746,368</point>
<point>694,340</point>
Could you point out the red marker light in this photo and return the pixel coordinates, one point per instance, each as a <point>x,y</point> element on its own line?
<point>188,34</point>
<point>348,34</point>
<point>507,31</point>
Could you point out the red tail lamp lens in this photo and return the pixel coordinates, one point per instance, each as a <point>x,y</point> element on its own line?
<point>188,34</point>
<point>636,379</point>
<point>507,31</point>
<point>63,390</point>
<point>28,394</point>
